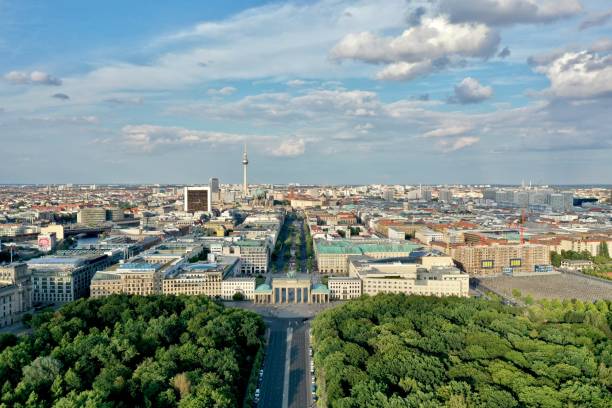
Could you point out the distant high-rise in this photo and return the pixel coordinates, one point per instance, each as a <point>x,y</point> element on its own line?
<point>213,183</point>
<point>445,196</point>
<point>197,199</point>
<point>245,163</point>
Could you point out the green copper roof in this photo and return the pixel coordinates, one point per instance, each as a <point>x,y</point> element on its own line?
<point>263,288</point>
<point>356,248</point>
<point>320,289</point>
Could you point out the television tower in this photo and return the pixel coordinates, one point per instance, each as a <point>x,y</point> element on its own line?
<point>245,163</point>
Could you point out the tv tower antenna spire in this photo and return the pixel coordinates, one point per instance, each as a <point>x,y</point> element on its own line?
<point>245,163</point>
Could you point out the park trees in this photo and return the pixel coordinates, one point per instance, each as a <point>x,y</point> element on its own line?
<point>132,351</point>
<point>403,351</point>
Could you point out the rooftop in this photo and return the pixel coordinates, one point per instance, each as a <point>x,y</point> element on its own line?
<point>140,266</point>
<point>359,248</point>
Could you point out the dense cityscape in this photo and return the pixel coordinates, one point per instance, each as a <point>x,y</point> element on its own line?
<point>288,252</point>
<point>306,204</point>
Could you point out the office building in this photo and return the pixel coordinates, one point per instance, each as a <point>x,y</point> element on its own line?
<point>136,277</point>
<point>568,200</point>
<point>332,256</point>
<point>197,199</point>
<point>61,279</point>
<point>238,285</point>
<point>91,216</point>
<point>115,214</point>
<point>344,287</point>
<point>202,278</point>
<point>213,184</point>
<point>557,202</point>
<point>428,275</point>
<point>254,255</point>
<point>15,293</point>
<point>427,235</point>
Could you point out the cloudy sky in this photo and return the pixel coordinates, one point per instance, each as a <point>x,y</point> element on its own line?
<point>331,91</point>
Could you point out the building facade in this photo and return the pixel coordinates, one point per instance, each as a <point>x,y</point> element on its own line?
<point>234,285</point>
<point>15,293</point>
<point>344,287</point>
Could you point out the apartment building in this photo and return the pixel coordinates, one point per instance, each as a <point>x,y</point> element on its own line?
<point>577,243</point>
<point>483,260</point>
<point>15,293</point>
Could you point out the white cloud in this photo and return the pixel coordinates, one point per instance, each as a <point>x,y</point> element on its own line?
<point>125,100</point>
<point>296,82</point>
<point>595,20</point>
<point>148,138</point>
<point>289,148</point>
<point>404,71</point>
<point>469,90</point>
<point>448,131</point>
<point>602,45</point>
<point>34,77</point>
<point>281,106</point>
<point>451,145</point>
<point>506,12</point>
<point>419,49</point>
<point>225,91</point>
<point>582,74</point>
<point>364,128</point>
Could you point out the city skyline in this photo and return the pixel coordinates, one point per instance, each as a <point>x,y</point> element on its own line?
<point>326,92</point>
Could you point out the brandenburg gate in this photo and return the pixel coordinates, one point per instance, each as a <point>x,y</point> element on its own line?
<point>290,289</point>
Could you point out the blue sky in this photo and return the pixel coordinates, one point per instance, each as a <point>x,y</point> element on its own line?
<point>477,91</point>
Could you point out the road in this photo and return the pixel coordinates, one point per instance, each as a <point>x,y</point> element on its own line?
<point>275,367</point>
<point>299,377</point>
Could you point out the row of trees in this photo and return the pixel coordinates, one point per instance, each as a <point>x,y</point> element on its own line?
<point>602,257</point>
<point>132,351</point>
<point>602,264</point>
<point>409,351</point>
